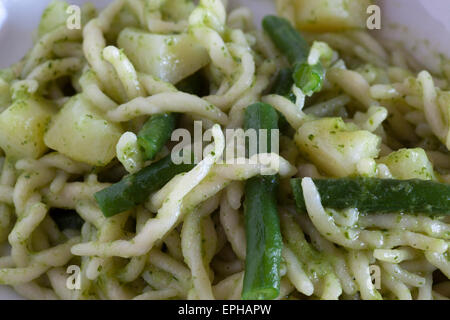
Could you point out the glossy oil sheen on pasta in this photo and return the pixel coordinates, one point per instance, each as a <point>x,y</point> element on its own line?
<point>71,109</point>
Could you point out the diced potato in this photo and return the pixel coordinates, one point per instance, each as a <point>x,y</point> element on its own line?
<point>409,164</point>
<point>336,147</point>
<point>330,15</point>
<point>169,57</point>
<point>177,10</point>
<point>80,133</point>
<point>54,16</point>
<point>22,128</point>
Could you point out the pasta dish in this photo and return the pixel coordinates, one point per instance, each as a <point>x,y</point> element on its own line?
<point>173,149</point>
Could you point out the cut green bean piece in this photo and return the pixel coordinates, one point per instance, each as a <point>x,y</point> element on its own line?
<point>135,189</point>
<point>261,116</point>
<point>372,195</point>
<point>309,78</point>
<point>283,83</point>
<point>264,242</point>
<point>290,42</point>
<point>155,133</point>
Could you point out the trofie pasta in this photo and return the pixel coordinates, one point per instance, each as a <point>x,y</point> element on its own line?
<point>323,171</point>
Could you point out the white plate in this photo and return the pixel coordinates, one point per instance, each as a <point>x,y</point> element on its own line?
<point>423,26</point>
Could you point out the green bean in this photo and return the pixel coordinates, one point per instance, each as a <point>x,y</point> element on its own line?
<point>135,189</point>
<point>286,39</point>
<point>372,195</point>
<point>261,116</point>
<point>308,78</point>
<point>155,133</point>
<point>264,242</point>
<point>283,84</point>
